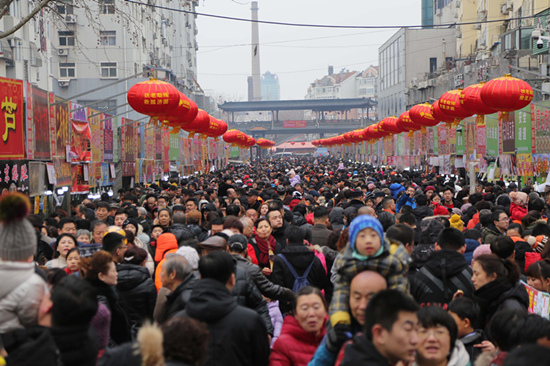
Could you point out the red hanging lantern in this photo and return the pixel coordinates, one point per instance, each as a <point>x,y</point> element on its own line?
<point>438,114</point>
<point>303,143</point>
<point>421,114</point>
<point>231,136</point>
<point>449,103</point>
<point>250,141</point>
<point>389,124</point>
<point>506,94</point>
<point>153,98</point>
<point>216,127</point>
<point>292,142</point>
<point>470,99</point>
<point>199,125</point>
<point>406,123</point>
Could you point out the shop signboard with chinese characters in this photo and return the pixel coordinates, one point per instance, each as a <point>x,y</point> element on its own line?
<point>61,113</point>
<point>107,138</point>
<point>540,117</point>
<point>14,176</point>
<point>523,140</point>
<point>492,135</point>
<point>81,135</point>
<point>63,174</point>
<point>12,123</point>
<point>41,120</point>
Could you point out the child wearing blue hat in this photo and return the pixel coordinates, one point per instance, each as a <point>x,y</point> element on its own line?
<point>367,250</point>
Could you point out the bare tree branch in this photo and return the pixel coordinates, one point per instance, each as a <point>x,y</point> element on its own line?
<point>26,19</point>
<point>5,7</point>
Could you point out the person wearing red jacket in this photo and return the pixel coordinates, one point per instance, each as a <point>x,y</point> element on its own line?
<point>303,331</point>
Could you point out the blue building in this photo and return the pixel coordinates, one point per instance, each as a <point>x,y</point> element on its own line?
<point>271,89</point>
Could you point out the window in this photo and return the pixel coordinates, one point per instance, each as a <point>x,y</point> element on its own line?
<point>106,6</point>
<point>108,70</point>
<point>66,38</point>
<point>108,38</point>
<point>65,8</point>
<point>433,64</point>
<point>67,70</point>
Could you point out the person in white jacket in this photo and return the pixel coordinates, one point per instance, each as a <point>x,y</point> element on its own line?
<point>22,290</point>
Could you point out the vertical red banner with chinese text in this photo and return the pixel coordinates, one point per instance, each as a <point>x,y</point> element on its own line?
<point>12,125</point>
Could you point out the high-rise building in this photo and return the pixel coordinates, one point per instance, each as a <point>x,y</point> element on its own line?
<point>271,89</point>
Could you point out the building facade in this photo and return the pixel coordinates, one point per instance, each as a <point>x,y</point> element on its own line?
<point>91,45</point>
<point>404,61</point>
<point>271,90</point>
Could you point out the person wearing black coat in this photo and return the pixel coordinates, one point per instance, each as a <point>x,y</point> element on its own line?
<point>245,291</point>
<point>247,294</point>
<point>137,293</point>
<point>300,257</point>
<point>177,299</point>
<point>120,327</point>
<point>445,272</point>
<point>238,335</point>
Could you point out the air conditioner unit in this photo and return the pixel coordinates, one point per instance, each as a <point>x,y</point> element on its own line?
<point>64,83</point>
<point>70,18</point>
<point>431,82</point>
<point>422,85</point>
<point>63,51</point>
<point>414,82</point>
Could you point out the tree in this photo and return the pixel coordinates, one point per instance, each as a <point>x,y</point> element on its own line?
<point>5,7</point>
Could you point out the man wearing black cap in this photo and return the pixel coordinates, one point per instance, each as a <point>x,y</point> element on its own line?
<point>378,197</point>
<point>356,197</point>
<point>253,201</point>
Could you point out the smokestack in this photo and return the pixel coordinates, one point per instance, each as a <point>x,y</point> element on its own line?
<point>256,77</point>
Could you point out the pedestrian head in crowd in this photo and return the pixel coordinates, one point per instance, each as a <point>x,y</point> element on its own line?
<point>115,244</point>
<point>83,236</point>
<point>390,331</point>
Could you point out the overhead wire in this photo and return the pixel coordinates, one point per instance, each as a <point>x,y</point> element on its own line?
<point>332,26</point>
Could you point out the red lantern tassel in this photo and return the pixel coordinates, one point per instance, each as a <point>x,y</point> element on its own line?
<point>503,116</point>
<point>423,130</point>
<point>411,133</point>
<point>480,120</point>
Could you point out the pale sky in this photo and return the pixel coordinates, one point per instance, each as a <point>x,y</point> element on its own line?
<point>297,55</point>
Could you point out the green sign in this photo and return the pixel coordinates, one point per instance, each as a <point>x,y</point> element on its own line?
<point>400,144</point>
<point>460,139</point>
<point>234,152</point>
<point>492,134</point>
<point>174,147</point>
<point>523,130</point>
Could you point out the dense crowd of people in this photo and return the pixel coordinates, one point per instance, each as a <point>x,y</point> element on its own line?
<point>297,261</point>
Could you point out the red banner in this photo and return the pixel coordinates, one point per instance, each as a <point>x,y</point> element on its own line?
<point>294,124</point>
<point>80,147</point>
<point>41,120</point>
<point>61,113</point>
<point>63,173</point>
<point>79,185</point>
<point>12,126</point>
<point>30,124</point>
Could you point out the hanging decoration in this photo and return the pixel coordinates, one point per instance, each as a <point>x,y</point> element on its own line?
<point>506,94</point>
<point>470,100</point>
<point>449,103</point>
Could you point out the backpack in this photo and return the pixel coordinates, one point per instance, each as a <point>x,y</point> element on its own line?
<point>299,281</point>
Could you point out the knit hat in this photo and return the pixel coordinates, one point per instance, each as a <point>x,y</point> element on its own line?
<point>440,211</point>
<point>429,188</point>
<point>18,238</point>
<point>456,222</point>
<point>480,250</point>
<point>364,222</point>
<point>191,255</point>
<point>130,221</point>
